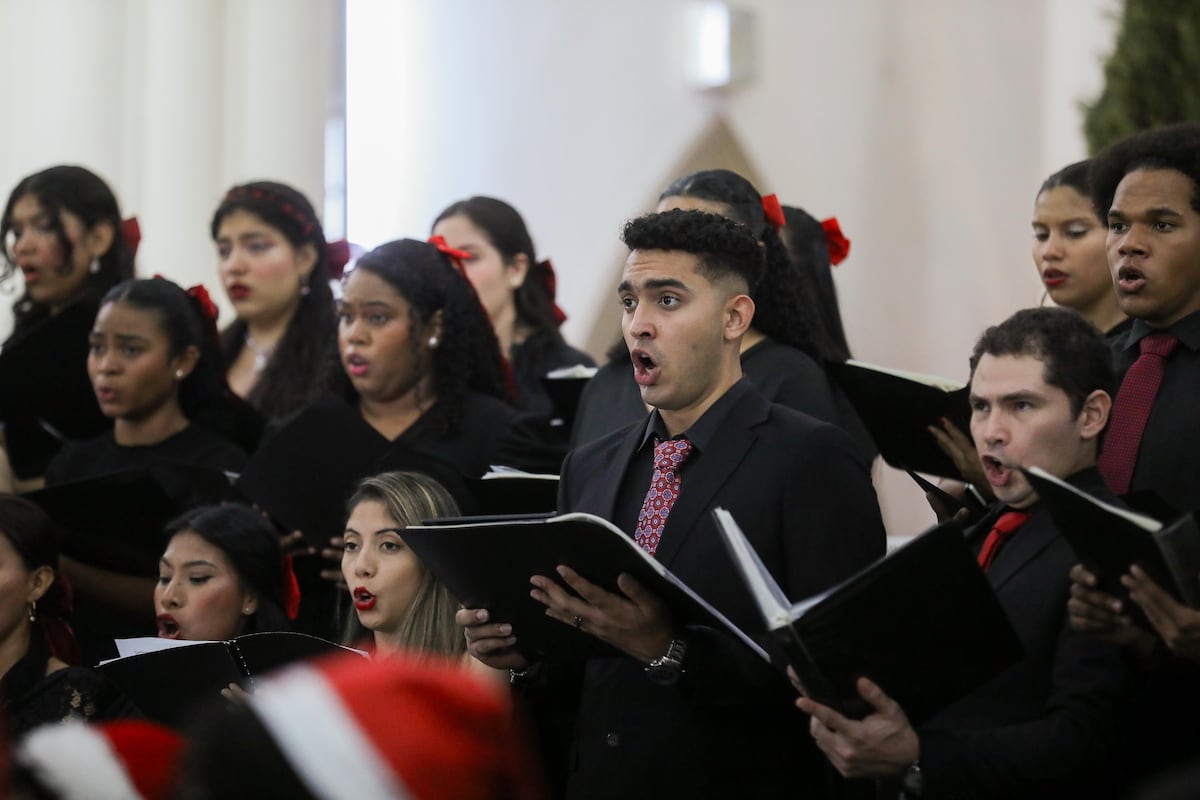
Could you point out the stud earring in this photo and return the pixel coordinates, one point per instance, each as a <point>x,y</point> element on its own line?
<point>433,342</point>
<point>178,374</point>
<point>94,266</point>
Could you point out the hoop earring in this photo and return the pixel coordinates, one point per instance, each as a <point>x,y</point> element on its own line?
<point>33,610</point>
<point>94,266</point>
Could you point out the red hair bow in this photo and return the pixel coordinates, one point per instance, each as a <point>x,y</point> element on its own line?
<point>774,211</point>
<point>839,245</point>
<point>337,256</point>
<point>456,256</point>
<point>549,281</point>
<point>131,232</point>
<point>207,307</point>
<point>289,589</point>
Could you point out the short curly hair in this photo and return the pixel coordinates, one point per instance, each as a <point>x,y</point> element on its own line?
<point>724,248</point>
<point>1174,147</point>
<point>1077,359</point>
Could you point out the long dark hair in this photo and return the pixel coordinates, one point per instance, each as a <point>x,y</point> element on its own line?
<point>251,544</point>
<point>806,241</point>
<point>31,533</point>
<point>307,353</point>
<point>180,318</point>
<point>84,194</point>
<point>468,355</point>
<point>785,302</point>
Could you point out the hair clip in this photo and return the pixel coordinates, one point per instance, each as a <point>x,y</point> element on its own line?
<point>839,245</point>
<point>456,256</point>
<point>131,232</point>
<point>549,282</point>
<point>774,211</point>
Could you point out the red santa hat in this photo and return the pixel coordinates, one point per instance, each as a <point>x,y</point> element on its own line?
<point>123,760</point>
<point>402,728</point>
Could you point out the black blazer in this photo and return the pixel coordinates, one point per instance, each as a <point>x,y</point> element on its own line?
<point>1046,727</point>
<point>728,729</point>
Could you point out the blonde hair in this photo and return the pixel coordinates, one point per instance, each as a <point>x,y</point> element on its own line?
<point>410,497</point>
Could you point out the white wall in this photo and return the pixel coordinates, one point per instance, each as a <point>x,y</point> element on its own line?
<point>924,125</point>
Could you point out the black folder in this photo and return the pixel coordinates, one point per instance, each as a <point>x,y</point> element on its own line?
<point>898,409</point>
<point>115,521</point>
<point>1109,539</point>
<point>46,397</point>
<point>565,386</point>
<point>166,684</point>
<point>923,623</point>
<point>488,565</point>
<point>515,492</point>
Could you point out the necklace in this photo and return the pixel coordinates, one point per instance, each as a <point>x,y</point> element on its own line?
<point>261,354</point>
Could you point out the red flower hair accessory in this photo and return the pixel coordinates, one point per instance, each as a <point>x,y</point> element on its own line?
<point>549,281</point>
<point>839,245</point>
<point>131,232</point>
<point>774,211</point>
<point>289,589</point>
<point>337,256</point>
<point>456,256</point>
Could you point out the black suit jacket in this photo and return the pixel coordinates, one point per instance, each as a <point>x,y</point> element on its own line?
<point>728,729</point>
<point>1046,727</point>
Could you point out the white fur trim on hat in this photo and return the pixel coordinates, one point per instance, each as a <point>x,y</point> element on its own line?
<point>321,739</point>
<point>76,762</point>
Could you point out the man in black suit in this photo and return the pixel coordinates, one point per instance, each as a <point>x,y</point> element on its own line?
<point>690,711</point>
<point>1046,727</point>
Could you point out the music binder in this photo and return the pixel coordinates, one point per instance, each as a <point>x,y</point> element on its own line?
<point>166,678</point>
<point>1109,540</point>
<point>488,565</point>
<point>923,623</point>
<point>898,407</point>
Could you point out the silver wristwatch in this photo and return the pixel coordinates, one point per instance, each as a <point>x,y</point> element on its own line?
<point>667,669</point>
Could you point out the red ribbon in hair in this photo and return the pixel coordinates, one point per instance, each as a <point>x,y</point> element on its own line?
<point>131,232</point>
<point>456,256</point>
<point>839,245</point>
<point>207,307</point>
<point>337,256</point>
<point>53,614</point>
<point>289,589</point>
<point>549,281</point>
<point>774,211</point>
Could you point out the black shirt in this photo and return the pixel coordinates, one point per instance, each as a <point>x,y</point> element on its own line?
<point>102,456</point>
<point>532,359</point>
<point>1168,461</point>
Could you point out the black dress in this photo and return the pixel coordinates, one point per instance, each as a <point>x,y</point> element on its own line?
<point>33,698</point>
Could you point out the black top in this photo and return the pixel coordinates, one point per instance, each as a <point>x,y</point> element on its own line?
<point>1168,461</point>
<point>33,698</point>
<point>1118,330</point>
<point>532,359</point>
<point>783,375</point>
<point>101,456</point>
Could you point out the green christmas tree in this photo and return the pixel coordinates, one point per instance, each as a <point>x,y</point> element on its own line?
<point>1153,76</point>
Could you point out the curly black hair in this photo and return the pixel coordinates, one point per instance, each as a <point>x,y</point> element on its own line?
<point>306,355</point>
<point>468,355</point>
<point>723,247</point>
<point>84,194</point>
<point>1077,358</point>
<point>786,303</point>
<point>1174,147</point>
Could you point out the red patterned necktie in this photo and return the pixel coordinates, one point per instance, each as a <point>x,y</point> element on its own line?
<point>1006,525</point>
<point>1134,400</point>
<point>669,456</point>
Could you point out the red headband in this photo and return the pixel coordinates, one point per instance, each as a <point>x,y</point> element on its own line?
<point>839,245</point>
<point>289,589</point>
<point>302,218</point>
<point>549,281</point>
<point>131,232</point>
<point>456,256</point>
<point>774,211</point>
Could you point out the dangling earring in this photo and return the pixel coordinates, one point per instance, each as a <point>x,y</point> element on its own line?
<point>33,610</point>
<point>94,266</point>
<point>433,342</point>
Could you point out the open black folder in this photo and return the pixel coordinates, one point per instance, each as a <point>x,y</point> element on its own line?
<point>898,408</point>
<point>165,679</point>
<point>1109,539</point>
<point>488,565</point>
<point>510,491</point>
<point>923,623</point>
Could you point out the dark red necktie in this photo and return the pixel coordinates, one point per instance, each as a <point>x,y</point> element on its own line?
<point>669,456</point>
<point>1006,525</point>
<point>1134,400</point>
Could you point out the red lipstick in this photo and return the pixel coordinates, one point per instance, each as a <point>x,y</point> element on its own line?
<point>363,600</point>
